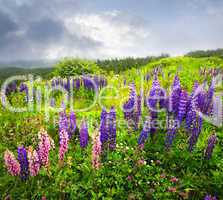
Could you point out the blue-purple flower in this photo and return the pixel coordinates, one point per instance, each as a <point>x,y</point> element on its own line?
<point>112,129</point>
<point>83,134</point>
<point>211,144</point>
<point>103,127</point>
<point>24,164</point>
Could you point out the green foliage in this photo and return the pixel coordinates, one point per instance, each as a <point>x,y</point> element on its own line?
<point>73,66</point>
<point>121,176</point>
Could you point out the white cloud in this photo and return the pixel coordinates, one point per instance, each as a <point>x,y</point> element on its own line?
<point>114,30</point>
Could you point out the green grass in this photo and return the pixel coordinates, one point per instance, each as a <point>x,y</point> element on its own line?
<point>120,177</point>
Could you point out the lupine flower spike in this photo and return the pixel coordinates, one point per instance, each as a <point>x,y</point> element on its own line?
<point>96,151</point>
<point>44,147</point>
<point>211,144</point>
<point>11,163</point>
<point>34,163</point>
<point>64,138</point>
<point>83,134</point>
<point>24,164</point>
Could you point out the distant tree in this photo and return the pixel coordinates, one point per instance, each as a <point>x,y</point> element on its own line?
<point>73,66</point>
<point>208,53</point>
<point>118,65</point>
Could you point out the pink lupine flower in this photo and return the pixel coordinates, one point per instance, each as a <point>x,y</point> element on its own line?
<point>44,198</point>
<point>96,151</point>
<point>129,178</point>
<point>34,162</point>
<point>11,163</point>
<point>172,189</point>
<point>44,147</point>
<point>64,138</point>
<point>174,180</point>
<point>141,162</point>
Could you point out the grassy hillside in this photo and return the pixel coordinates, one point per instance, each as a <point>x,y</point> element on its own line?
<point>129,171</point>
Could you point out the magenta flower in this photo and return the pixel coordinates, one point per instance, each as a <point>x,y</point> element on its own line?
<point>34,163</point>
<point>44,147</point>
<point>11,163</point>
<point>64,139</point>
<point>96,151</point>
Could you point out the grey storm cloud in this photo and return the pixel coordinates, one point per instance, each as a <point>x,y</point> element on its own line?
<point>45,30</point>
<point>7,24</point>
<point>40,29</point>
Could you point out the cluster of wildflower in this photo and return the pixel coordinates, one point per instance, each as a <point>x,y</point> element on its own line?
<point>180,107</point>
<point>67,128</point>
<point>209,197</point>
<point>29,160</point>
<point>88,82</point>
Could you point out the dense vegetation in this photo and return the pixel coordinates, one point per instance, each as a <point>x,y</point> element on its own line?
<point>123,64</point>
<point>133,163</point>
<point>207,53</point>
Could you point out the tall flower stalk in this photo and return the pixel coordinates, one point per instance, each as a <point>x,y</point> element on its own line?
<point>211,144</point>
<point>112,129</point>
<point>44,147</point>
<point>83,134</point>
<point>24,164</point>
<point>64,139</point>
<point>11,163</point>
<point>34,162</point>
<point>96,151</point>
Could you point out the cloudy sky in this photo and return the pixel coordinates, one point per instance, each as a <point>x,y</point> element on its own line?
<point>50,29</point>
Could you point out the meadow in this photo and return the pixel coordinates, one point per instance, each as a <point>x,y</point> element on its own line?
<point>104,140</point>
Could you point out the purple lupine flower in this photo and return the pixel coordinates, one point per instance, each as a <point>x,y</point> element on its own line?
<point>144,133</point>
<point>131,108</point>
<point>24,88</point>
<point>68,84</point>
<point>209,97</point>
<point>182,105</point>
<point>211,144</point>
<point>63,122</point>
<point>209,197</point>
<point>83,134</point>
<point>196,129</point>
<point>171,132</point>
<point>112,129</point>
<point>24,164</point>
<point>156,96</point>
<point>52,102</point>
<point>175,95</point>
<point>191,114</point>
<point>73,124</point>
<point>103,127</point>
<point>139,106</point>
